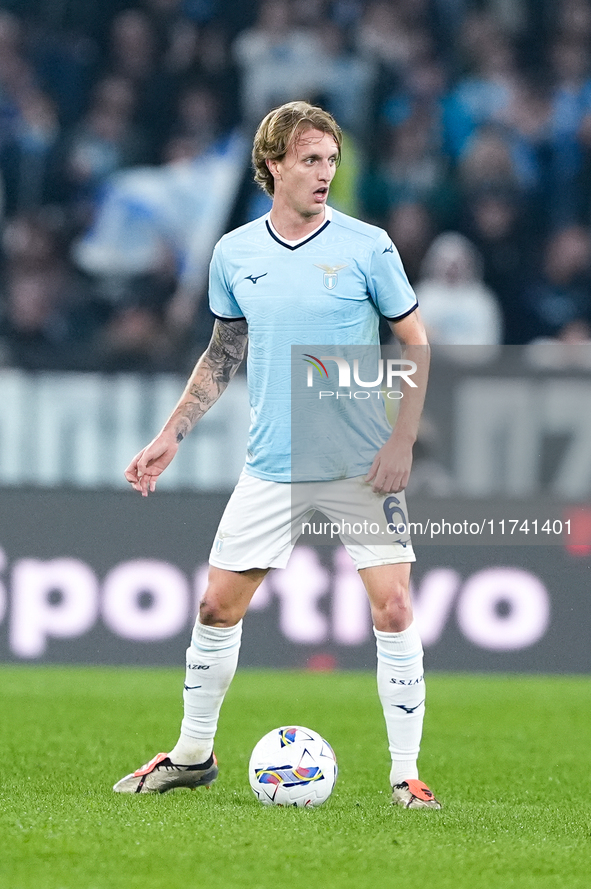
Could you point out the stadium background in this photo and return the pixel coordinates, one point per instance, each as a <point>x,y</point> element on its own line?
<point>124,134</point>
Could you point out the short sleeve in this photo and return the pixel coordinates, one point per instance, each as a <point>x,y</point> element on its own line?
<point>221,298</point>
<point>388,285</point>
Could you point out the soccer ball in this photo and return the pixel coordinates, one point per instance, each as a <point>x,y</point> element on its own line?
<point>292,766</point>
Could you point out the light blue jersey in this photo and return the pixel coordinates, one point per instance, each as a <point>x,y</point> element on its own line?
<point>328,288</point>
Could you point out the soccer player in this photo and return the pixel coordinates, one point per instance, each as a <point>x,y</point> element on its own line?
<point>303,274</point>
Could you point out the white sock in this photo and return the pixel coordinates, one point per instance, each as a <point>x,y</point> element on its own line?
<point>189,752</point>
<point>212,659</point>
<point>401,688</point>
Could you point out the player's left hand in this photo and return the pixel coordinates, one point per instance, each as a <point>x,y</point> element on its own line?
<point>390,470</point>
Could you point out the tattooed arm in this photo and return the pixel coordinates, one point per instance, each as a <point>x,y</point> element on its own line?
<point>211,375</point>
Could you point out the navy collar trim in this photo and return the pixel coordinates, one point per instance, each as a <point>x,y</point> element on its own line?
<point>301,244</point>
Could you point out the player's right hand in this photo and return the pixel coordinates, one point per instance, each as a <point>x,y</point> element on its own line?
<point>144,469</point>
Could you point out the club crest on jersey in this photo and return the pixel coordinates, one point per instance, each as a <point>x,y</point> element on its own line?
<point>331,274</point>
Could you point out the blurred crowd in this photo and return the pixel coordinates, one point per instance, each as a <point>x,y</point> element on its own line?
<point>125,131</point>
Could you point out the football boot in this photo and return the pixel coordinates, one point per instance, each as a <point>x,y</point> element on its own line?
<point>414,794</point>
<point>160,775</point>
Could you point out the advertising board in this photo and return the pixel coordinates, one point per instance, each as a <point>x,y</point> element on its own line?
<point>111,578</point>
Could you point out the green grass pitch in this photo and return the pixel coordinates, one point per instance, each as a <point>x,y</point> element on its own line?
<point>509,756</point>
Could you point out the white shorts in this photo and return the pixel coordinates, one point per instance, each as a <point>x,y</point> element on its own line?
<point>263,520</point>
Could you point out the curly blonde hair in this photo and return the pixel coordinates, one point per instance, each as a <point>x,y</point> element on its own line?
<point>277,131</point>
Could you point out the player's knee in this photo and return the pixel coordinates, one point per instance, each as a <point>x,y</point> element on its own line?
<point>394,613</point>
<point>212,614</point>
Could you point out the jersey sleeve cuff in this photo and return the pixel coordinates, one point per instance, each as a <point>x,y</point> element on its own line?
<point>404,314</point>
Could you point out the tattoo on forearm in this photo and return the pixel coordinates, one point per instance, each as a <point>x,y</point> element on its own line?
<point>213,372</point>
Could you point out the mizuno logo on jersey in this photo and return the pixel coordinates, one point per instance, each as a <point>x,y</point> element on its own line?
<point>389,249</point>
<point>330,274</point>
<point>255,278</point>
